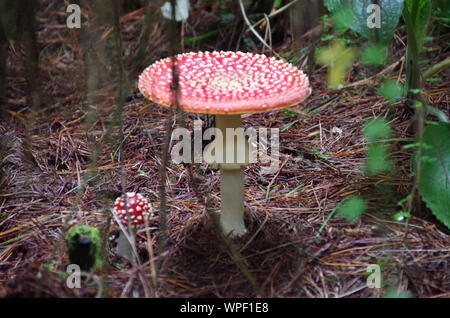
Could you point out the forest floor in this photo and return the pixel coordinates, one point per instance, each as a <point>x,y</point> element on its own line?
<point>292,250</point>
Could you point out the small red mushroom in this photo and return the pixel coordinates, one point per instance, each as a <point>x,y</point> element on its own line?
<point>136,210</point>
<point>137,206</point>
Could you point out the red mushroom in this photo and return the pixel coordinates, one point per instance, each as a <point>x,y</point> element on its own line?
<point>136,210</point>
<point>227,84</point>
<point>137,206</point>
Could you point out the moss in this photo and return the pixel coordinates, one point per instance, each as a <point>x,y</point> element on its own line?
<point>88,254</point>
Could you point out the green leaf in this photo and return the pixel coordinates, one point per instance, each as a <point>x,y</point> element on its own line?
<point>277,4</point>
<point>406,199</point>
<point>377,159</point>
<point>411,145</point>
<point>374,55</point>
<point>289,113</point>
<point>341,19</point>
<point>333,5</point>
<point>351,208</point>
<point>401,216</point>
<point>376,129</point>
<point>441,11</point>
<point>434,184</point>
<point>391,90</point>
<point>391,11</point>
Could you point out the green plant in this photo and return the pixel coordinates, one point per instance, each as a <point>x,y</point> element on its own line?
<point>351,208</point>
<point>442,12</point>
<point>403,214</point>
<point>416,16</point>
<point>434,183</point>
<point>289,113</point>
<point>377,159</point>
<point>374,55</point>
<point>356,15</point>
<point>391,90</point>
<point>339,59</point>
<point>353,14</point>
<point>84,246</point>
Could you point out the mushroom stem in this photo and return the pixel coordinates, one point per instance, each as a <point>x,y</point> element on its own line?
<point>232,210</point>
<point>124,247</point>
<point>232,177</point>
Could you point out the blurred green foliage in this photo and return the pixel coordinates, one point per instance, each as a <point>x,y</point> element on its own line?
<point>377,160</point>
<point>377,156</point>
<point>84,246</point>
<point>339,59</point>
<point>351,208</point>
<point>353,14</point>
<point>391,90</point>
<point>434,183</point>
<point>441,12</point>
<point>374,55</point>
<point>376,129</point>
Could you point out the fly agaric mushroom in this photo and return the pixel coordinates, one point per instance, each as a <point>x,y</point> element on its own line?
<point>227,84</point>
<point>134,211</point>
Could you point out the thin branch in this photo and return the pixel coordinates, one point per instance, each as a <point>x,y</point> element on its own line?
<point>273,13</point>
<point>247,21</point>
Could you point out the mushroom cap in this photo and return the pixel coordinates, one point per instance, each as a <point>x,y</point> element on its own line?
<point>138,208</point>
<point>225,83</point>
